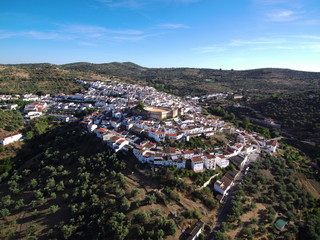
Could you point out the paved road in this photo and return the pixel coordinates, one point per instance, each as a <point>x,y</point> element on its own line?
<point>222,215</point>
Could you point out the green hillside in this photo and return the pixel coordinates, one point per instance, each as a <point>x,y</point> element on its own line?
<point>51,78</point>
<point>38,78</point>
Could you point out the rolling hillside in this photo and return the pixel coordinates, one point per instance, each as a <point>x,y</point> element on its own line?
<point>39,78</point>
<point>192,81</point>
<point>181,81</point>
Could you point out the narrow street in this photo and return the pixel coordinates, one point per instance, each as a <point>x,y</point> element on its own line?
<point>227,203</point>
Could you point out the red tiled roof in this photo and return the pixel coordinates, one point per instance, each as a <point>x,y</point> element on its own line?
<point>102,130</point>
<point>159,132</point>
<point>189,152</point>
<point>197,159</point>
<point>10,135</point>
<point>121,141</point>
<point>172,135</point>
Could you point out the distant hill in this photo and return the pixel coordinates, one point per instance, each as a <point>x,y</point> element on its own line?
<point>180,81</point>
<point>39,78</point>
<point>196,81</point>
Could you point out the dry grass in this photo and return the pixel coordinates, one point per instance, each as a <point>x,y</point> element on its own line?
<point>256,213</point>
<point>309,185</point>
<point>10,151</point>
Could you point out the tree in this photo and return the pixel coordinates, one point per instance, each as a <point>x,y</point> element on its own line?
<point>225,226</point>
<point>159,234</point>
<point>151,198</point>
<point>67,231</point>
<point>19,204</point>
<point>10,233</point>
<point>6,201</point>
<point>118,226</point>
<point>53,209</point>
<point>135,192</point>
<point>201,237</point>
<point>140,230</point>
<point>219,236</point>
<point>125,204</point>
<point>31,230</point>
<point>141,217</point>
<point>33,184</point>
<point>140,106</point>
<point>194,214</point>
<point>168,225</point>
<point>155,212</point>
<point>245,123</point>
<point>4,212</point>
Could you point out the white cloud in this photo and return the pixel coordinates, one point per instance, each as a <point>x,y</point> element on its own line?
<point>315,37</point>
<point>88,44</point>
<point>173,26</point>
<point>4,35</point>
<point>97,31</point>
<point>253,44</point>
<point>262,41</point>
<point>43,35</point>
<point>90,35</point>
<point>284,15</point>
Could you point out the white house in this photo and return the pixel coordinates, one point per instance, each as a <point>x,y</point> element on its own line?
<point>158,136</point>
<point>210,161</point>
<point>12,106</point>
<point>5,140</point>
<point>117,143</point>
<point>197,164</point>
<point>225,183</point>
<point>233,150</point>
<point>271,146</point>
<point>143,156</point>
<point>91,127</point>
<point>222,161</point>
<point>188,154</point>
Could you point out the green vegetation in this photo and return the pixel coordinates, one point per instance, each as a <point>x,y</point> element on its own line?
<point>191,81</point>
<point>172,180</point>
<point>37,126</point>
<point>271,189</point>
<point>140,106</point>
<point>78,188</point>
<point>10,120</point>
<point>298,113</point>
<point>49,78</point>
<point>244,123</point>
<point>38,79</point>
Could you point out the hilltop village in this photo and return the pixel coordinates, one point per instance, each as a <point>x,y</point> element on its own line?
<point>143,121</point>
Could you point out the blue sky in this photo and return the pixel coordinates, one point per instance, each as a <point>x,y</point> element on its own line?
<point>227,34</point>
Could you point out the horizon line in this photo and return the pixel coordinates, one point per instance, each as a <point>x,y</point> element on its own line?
<point>180,67</point>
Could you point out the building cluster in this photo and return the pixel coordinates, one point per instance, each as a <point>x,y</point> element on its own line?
<point>146,130</point>
<point>165,118</point>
